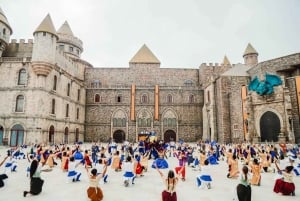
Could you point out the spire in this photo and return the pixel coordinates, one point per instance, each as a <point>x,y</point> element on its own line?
<point>65,29</point>
<point>4,20</point>
<point>144,55</point>
<point>250,50</point>
<point>226,61</point>
<point>46,26</point>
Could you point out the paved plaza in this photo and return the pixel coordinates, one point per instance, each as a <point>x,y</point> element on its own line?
<point>148,188</point>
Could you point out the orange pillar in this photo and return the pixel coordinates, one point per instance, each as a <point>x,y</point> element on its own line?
<point>132,108</point>
<point>156,111</point>
<point>297,79</point>
<point>244,110</point>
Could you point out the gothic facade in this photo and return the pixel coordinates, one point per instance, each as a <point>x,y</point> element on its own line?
<point>49,94</point>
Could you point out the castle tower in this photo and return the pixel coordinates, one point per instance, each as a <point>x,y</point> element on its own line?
<point>44,47</point>
<point>226,61</point>
<point>5,32</point>
<point>250,55</point>
<point>67,42</point>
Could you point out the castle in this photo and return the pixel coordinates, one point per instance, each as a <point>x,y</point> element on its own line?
<point>50,94</point>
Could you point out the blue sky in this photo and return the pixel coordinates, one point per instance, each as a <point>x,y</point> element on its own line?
<point>181,33</point>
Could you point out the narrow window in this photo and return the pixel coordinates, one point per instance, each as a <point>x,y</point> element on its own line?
<point>97,98</point>
<point>144,98</point>
<point>54,82</point>
<point>53,106</point>
<point>20,103</point>
<point>169,98</point>
<point>68,89</point>
<point>191,98</point>
<point>67,110</point>
<point>77,114</point>
<point>119,99</point>
<point>22,77</point>
<point>78,94</point>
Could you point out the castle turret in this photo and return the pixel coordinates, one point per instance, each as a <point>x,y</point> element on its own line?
<point>44,47</point>
<point>67,42</point>
<point>250,55</point>
<point>5,32</point>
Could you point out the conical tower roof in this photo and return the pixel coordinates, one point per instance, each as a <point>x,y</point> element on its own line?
<point>250,50</point>
<point>226,61</point>
<point>65,29</point>
<point>144,55</point>
<point>4,20</point>
<point>46,26</point>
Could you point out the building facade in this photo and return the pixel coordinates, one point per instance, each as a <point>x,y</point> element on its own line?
<point>49,94</point>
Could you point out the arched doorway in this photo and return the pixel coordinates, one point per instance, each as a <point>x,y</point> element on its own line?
<point>76,134</point>
<point>170,135</point>
<point>269,127</point>
<point>1,135</point>
<point>66,135</point>
<point>17,135</point>
<point>119,136</point>
<point>51,135</point>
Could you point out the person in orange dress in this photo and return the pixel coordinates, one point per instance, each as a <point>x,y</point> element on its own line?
<point>233,167</point>
<point>116,162</point>
<point>256,169</point>
<point>264,160</point>
<point>64,162</point>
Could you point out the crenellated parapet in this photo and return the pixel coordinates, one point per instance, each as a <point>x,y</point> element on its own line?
<point>19,48</point>
<point>42,68</point>
<point>210,72</point>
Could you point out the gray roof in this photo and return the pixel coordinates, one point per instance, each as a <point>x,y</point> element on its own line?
<point>237,70</point>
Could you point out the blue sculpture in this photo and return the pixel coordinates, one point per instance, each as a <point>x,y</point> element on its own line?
<point>265,87</point>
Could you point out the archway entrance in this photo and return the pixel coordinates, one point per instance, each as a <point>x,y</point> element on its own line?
<point>51,135</point>
<point>17,135</point>
<point>170,135</point>
<point>1,135</point>
<point>269,127</point>
<point>119,136</point>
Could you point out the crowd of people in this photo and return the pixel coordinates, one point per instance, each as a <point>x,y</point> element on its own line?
<point>246,162</point>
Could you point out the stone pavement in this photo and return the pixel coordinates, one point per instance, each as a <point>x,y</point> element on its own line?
<point>146,188</point>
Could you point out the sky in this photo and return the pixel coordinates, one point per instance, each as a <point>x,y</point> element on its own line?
<point>181,33</point>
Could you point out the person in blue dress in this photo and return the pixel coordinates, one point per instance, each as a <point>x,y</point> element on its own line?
<point>160,162</point>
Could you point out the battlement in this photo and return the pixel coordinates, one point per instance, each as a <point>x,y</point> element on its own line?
<point>212,65</point>
<point>21,41</point>
<point>19,48</point>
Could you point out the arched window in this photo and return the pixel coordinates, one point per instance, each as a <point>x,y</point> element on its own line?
<point>22,77</point>
<point>4,31</point>
<point>144,98</point>
<point>54,82</point>
<point>169,99</point>
<point>97,98</point>
<point>20,103</point>
<point>191,98</point>
<point>68,89</point>
<point>53,106</point>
